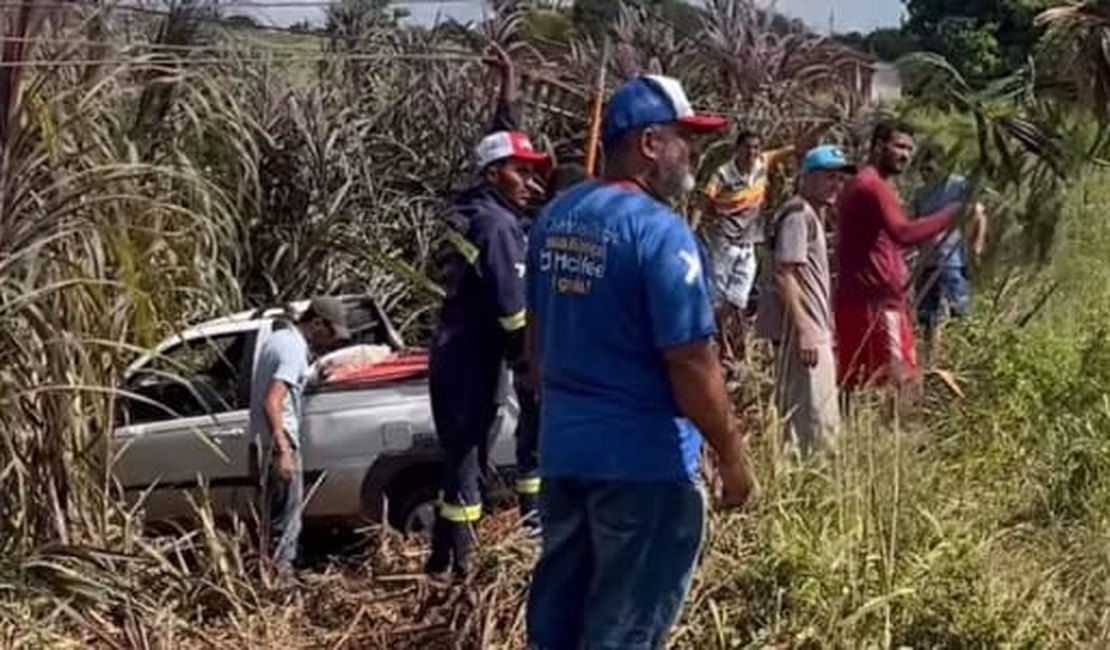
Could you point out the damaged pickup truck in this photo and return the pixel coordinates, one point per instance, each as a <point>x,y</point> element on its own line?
<point>370,451</point>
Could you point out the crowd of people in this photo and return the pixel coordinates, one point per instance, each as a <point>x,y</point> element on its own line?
<point>606,309</point>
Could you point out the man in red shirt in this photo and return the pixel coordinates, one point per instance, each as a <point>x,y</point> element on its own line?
<point>875,344</point>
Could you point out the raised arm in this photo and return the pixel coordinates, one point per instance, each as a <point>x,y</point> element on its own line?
<point>906,231</point>
<point>978,234</point>
<point>504,112</point>
<point>776,157</point>
<point>706,201</point>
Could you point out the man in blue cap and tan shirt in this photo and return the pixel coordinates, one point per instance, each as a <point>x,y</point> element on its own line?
<point>794,310</point>
<point>620,337</point>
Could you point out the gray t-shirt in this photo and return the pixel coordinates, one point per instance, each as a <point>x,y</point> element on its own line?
<point>284,357</point>
<point>798,237</point>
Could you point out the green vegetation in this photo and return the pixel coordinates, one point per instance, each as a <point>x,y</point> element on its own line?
<point>983,38</point>
<point>172,171</point>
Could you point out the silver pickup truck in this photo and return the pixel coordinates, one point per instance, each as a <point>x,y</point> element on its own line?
<point>370,452</point>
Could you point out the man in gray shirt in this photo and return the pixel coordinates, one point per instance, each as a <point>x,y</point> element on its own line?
<point>277,409</point>
<point>795,311</point>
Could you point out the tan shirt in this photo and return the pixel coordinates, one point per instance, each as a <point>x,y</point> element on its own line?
<point>798,237</point>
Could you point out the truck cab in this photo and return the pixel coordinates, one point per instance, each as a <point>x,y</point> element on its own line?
<point>370,452</point>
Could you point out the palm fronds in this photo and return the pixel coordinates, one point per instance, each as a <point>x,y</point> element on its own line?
<point>1084,28</point>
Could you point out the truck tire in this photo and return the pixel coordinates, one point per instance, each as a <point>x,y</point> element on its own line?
<point>412,505</point>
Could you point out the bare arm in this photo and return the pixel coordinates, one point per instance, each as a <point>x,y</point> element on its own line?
<point>271,407</point>
<point>775,158</point>
<point>911,232</point>
<point>504,114</point>
<point>695,217</point>
<point>704,202</point>
<point>978,229</point>
<point>787,282</point>
<point>507,96</point>
<point>697,382</point>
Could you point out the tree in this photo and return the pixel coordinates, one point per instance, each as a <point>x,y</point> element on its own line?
<point>1079,33</point>
<point>983,38</point>
<point>301,27</point>
<point>886,43</point>
<point>353,17</point>
<point>890,43</point>
<point>241,20</point>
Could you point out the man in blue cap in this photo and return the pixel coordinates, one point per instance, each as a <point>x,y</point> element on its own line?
<point>620,338</point>
<point>795,310</point>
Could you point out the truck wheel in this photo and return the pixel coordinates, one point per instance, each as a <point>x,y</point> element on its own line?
<point>413,510</point>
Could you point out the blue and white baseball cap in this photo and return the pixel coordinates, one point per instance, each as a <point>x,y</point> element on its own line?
<point>652,99</point>
<point>826,157</point>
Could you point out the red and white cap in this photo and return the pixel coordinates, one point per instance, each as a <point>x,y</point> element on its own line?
<point>653,99</point>
<point>503,145</point>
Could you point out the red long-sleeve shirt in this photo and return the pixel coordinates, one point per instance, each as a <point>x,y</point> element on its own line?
<point>872,235</point>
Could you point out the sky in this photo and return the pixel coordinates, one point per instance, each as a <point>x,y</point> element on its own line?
<point>848,15</point>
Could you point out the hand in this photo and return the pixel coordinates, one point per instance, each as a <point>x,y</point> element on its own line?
<point>979,243</point>
<point>738,485</point>
<point>324,371</point>
<point>807,349</point>
<point>284,464</point>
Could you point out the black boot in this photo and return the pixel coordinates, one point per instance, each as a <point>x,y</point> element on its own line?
<point>462,542</point>
<point>529,514</point>
<point>442,542</point>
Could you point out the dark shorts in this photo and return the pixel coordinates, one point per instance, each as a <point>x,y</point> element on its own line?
<point>936,289</point>
<point>616,565</point>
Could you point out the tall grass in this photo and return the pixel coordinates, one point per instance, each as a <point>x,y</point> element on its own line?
<point>137,197</point>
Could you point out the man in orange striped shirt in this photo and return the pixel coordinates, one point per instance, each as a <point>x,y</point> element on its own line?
<point>735,197</point>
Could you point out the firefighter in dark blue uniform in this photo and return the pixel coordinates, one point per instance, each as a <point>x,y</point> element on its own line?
<point>481,327</point>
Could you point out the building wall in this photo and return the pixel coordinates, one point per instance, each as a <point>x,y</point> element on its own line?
<point>886,83</point>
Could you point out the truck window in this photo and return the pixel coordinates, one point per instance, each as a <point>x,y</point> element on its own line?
<point>198,377</point>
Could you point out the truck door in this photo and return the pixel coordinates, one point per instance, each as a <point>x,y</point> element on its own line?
<point>186,426</point>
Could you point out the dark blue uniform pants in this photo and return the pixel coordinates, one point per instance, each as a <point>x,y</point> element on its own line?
<point>527,454</point>
<point>464,406</point>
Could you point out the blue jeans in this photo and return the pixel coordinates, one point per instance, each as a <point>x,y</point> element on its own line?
<point>616,564</point>
<point>284,503</point>
<point>939,287</point>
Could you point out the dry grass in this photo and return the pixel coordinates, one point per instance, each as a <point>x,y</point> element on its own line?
<point>148,193</point>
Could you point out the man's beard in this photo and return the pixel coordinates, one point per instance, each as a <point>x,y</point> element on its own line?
<point>893,167</point>
<point>672,185</point>
<point>688,183</point>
